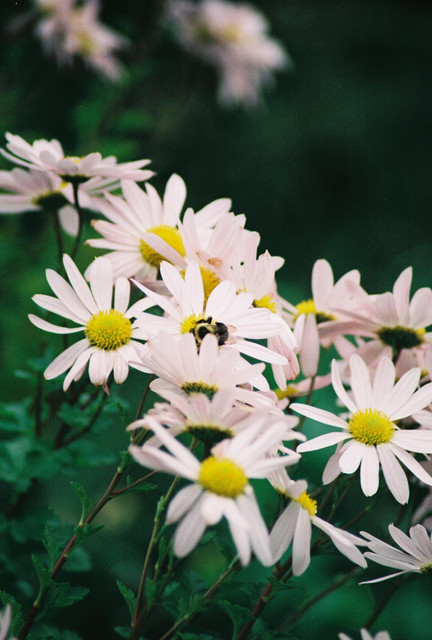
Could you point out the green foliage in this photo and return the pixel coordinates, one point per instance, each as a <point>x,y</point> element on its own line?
<point>128,596</point>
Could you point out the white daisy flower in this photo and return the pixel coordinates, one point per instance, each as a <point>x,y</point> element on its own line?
<point>5,621</point>
<point>69,30</point>
<point>220,486</point>
<point>396,323</point>
<point>183,370</point>
<point>48,156</point>
<point>110,342</point>
<point>32,191</point>
<point>365,635</point>
<point>414,555</point>
<point>232,37</point>
<point>295,525</point>
<point>142,230</point>
<point>227,314</point>
<point>373,438</point>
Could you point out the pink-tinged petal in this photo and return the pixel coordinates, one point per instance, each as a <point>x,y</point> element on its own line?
<point>100,366</point>
<point>310,348</point>
<point>369,471</point>
<point>182,502</point>
<point>193,295</point>
<point>332,469</point>
<point>101,282</point>
<point>121,295</point>
<point>66,294</point>
<point>411,463</point>
<point>322,283</point>
<point>301,542</point>
<point>258,351</point>
<point>56,306</point>
<point>152,457</point>
<point>401,291</point>
<point>421,308</point>
<point>351,458</point>
<point>173,281</point>
<point>189,531</point>
<point>79,284</point>
<point>258,533</point>
<point>65,359</point>
<point>321,442</point>
<point>393,474</point>
<point>174,199</point>
<point>120,368</point>
<point>383,382</point>
<point>78,367</point>
<point>239,530</point>
<point>212,508</point>
<point>416,440</point>
<point>401,393</point>
<point>419,400</point>
<point>339,388</point>
<point>407,544</point>
<point>175,447</point>
<point>422,541</point>
<point>162,247</point>
<point>360,382</point>
<point>386,308</point>
<point>162,301</point>
<point>53,328</point>
<point>320,415</point>
<point>282,533</point>
<point>222,298</point>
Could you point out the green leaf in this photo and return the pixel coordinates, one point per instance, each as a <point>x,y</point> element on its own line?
<point>192,605</point>
<point>129,597</point>
<point>42,572</point>
<point>51,548</point>
<point>64,594</point>
<point>83,496</point>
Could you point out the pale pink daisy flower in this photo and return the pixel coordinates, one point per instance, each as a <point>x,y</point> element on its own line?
<point>142,229</point>
<point>365,635</point>
<point>294,525</point>
<point>396,323</point>
<point>373,438</point>
<point>48,156</point>
<point>227,314</point>
<point>5,622</point>
<point>232,37</point>
<point>219,486</point>
<point>184,371</point>
<point>414,555</point>
<point>68,30</point>
<point>110,342</point>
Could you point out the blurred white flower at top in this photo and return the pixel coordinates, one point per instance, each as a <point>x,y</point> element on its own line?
<point>232,37</point>
<point>68,30</point>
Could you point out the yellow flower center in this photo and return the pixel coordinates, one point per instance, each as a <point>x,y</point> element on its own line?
<point>427,569</point>
<point>171,235</point>
<point>371,427</point>
<point>209,279</point>
<point>266,302</point>
<point>306,502</point>
<point>200,387</point>
<point>401,337</point>
<point>108,330</point>
<point>289,392</point>
<point>308,306</point>
<point>223,477</point>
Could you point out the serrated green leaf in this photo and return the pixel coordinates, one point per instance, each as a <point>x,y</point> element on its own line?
<point>64,594</point>
<point>51,548</point>
<point>129,597</point>
<point>42,572</point>
<point>192,605</point>
<point>83,496</point>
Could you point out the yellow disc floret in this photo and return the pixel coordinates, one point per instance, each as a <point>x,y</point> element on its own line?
<point>308,306</point>
<point>188,324</point>
<point>307,503</point>
<point>171,235</point>
<point>223,477</point>
<point>371,427</point>
<point>108,330</point>
<point>266,302</point>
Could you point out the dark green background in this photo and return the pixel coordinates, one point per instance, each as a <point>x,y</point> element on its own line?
<point>336,163</point>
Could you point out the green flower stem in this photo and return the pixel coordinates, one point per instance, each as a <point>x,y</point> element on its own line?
<point>322,594</point>
<point>144,396</point>
<point>187,617</point>
<point>139,615</point>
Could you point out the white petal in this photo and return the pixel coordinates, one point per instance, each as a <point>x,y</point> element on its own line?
<point>369,471</point>
<point>393,474</point>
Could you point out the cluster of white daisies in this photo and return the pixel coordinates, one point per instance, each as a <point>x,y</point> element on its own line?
<point>231,37</point>
<point>207,322</point>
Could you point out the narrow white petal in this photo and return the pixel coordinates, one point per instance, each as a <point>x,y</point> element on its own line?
<point>121,295</point>
<point>321,442</point>
<point>351,458</point>
<point>189,531</point>
<point>360,382</point>
<point>320,415</point>
<point>301,543</point>
<point>369,471</point>
<point>393,473</point>
<point>65,359</point>
<point>53,328</point>
<point>182,502</point>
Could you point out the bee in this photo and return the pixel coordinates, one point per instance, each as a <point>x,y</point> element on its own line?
<point>206,326</point>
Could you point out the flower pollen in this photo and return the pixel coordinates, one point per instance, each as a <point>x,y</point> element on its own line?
<point>308,306</point>
<point>171,235</point>
<point>371,427</point>
<point>223,477</point>
<point>306,502</point>
<point>427,569</point>
<point>266,302</point>
<point>108,330</point>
